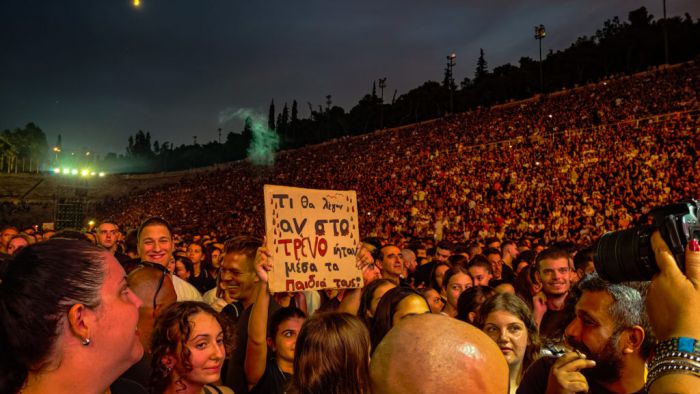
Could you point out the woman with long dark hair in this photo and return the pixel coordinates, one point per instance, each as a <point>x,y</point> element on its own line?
<point>269,357</point>
<point>332,356</point>
<point>396,304</point>
<point>67,319</point>
<point>455,282</point>
<point>371,295</point>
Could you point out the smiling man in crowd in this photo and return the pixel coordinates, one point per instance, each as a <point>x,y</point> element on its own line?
<point>155,245</point>
<point>553,267</point>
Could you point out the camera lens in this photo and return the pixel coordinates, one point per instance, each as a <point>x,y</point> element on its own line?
<point>626,255</point>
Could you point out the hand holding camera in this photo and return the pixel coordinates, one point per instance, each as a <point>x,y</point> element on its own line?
<point>666,252</point>
<point>673,300</point>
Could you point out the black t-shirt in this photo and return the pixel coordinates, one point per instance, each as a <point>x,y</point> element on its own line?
<point>536,377</point>
<point>126,386</point>
<point>554,324</point>
<point>235,373</point>
<point>203,282</point>
<point>507,274</point>
<point>140,372</point>
<point>423,273</point>
<point>273,381</point>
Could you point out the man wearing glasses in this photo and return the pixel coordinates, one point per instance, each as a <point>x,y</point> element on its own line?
<point>553,271</point>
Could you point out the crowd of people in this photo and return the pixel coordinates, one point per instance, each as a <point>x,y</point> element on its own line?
<point>479,272</point>
<point>80,315</point>
<point>527,168</point>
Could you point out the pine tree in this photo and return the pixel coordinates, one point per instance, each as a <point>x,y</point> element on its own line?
<point>295,112</point>
<point>481,67</point>
<point>285,117</point>
<point>247,132</point>
<point>271,116</point>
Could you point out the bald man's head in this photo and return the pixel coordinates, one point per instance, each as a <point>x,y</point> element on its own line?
<point>432,353</point>
<point>144,282</point>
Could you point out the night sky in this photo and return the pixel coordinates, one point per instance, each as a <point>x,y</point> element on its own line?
<point>97,71</point>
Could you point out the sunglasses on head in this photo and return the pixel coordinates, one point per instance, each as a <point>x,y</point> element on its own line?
<point>160,282</point>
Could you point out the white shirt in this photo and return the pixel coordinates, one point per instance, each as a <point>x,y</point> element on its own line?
<point>185,291</point>
<point>215,302</point>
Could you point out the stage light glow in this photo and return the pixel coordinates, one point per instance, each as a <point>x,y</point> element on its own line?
<point>56,170</point>
<point>84,172</point>
<point>66,171</point>
<point>74,171</point>
<point>102,174</point>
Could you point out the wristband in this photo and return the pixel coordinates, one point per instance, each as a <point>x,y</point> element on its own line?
<point>679,344</point>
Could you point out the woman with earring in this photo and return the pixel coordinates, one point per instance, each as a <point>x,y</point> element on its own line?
<point>67,320</point>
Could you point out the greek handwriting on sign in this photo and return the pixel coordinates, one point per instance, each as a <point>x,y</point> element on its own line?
<point>313,236</point>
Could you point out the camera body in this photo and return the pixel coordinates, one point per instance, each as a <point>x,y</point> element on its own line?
<point>627,255</point>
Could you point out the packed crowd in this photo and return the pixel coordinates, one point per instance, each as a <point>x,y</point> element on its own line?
<point>478,234</point>
<point>92,314</point>
<point>526,168</point>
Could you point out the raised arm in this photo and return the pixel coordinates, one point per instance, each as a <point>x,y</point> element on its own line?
<point>256,347</point>
<point>673,302</point>
<point>351,300</point>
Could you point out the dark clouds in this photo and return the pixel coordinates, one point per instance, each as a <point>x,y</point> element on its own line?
<point>97,71</point>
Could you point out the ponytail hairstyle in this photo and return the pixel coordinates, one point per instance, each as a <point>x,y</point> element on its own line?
<point>39,286</point>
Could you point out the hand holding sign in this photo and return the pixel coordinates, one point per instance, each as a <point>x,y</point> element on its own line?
<point>263,262</point>
<point>314,235</point>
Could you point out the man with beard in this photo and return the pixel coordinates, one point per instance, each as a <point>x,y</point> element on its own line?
<point>611,342</point>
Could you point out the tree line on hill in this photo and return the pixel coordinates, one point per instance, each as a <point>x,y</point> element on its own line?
<point>618,47</point>
<point>23,149</point>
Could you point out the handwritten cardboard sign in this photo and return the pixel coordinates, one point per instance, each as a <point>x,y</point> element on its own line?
<point>313,237</point>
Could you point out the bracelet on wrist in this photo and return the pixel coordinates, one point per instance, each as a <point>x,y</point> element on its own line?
<point>679,344</point>
<point>677,355</point>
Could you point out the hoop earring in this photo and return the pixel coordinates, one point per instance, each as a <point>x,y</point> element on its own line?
<point>85,341</point>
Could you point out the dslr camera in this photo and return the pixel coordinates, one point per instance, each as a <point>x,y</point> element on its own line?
<point>627,255</point>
